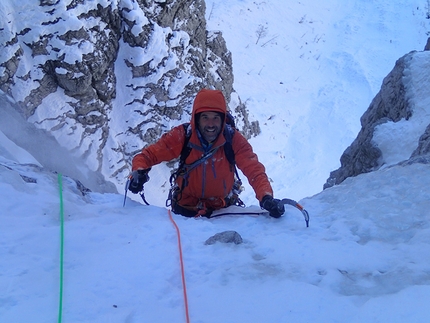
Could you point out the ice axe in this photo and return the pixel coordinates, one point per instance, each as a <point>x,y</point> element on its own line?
<point>127,185</point>
<point>298,206</point>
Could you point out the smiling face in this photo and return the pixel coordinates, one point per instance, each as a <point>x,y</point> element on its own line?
<point>210,124</point>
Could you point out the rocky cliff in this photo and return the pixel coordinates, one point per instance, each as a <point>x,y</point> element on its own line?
<point>397,101</point>
<point>108,77</point>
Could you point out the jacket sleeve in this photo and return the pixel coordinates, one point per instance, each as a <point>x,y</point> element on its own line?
<point>168,147</point>
<point>247,161</point>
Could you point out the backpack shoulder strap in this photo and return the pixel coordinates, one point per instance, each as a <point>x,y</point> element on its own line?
<point>229,132</point>
<point>185,152</point>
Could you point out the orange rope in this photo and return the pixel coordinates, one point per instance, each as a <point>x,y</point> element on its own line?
<point>182,266</point>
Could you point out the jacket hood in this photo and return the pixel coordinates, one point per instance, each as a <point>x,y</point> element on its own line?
<point>208,100</point>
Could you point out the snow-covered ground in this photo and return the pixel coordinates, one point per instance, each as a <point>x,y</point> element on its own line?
<point>365,256</point>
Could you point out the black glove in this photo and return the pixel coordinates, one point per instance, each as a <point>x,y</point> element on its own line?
<point>137,179</point>
<point>272,205</point>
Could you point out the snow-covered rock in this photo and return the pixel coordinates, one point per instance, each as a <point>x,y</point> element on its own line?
<point>395,127</point>
<point>107,77</point>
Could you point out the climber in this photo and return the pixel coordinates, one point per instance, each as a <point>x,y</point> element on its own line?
<point>210,148</point>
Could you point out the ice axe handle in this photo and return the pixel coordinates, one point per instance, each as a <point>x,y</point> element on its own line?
<point>127,184</point>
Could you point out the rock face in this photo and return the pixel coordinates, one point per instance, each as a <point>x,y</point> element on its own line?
<point>393,103</point>
<point>108,77</point>
<point>423,145</point>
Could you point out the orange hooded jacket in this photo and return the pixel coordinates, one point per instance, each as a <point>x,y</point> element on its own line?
<point>213,179</point>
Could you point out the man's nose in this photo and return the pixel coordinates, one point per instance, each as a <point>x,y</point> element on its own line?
<point>211,122</point>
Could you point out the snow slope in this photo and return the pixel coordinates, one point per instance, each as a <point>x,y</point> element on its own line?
<point>366,249</point>
<point>364,258</point>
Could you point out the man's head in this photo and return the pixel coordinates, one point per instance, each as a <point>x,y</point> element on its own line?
<point>209,110</point>
<point>209,124</point>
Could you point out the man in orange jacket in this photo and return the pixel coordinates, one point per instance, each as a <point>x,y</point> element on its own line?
<point>207,178</point>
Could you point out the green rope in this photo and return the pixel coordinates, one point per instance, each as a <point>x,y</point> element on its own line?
<point>60,307</point>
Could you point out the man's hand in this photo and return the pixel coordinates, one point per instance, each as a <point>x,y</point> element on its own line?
<point>137,179</point>
<point>275,208</point>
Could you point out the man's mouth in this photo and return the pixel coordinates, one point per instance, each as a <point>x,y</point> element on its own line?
<point>210,133</point>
